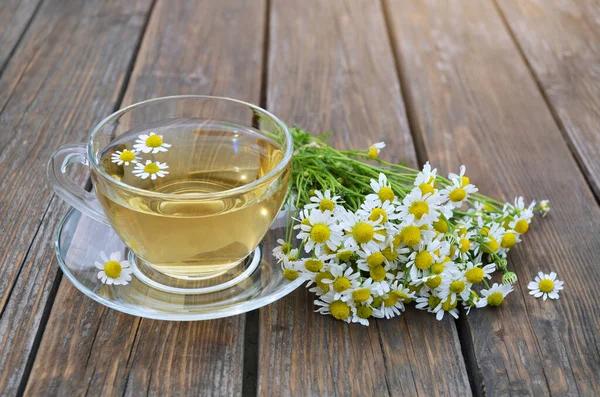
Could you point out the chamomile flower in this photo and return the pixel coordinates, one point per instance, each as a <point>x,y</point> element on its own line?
<point>393,301</point>
<point>545,286</point>
<point>365,292</point>
<point>150,169</point>
<point>383,190</point>
<point>378,212</point>
<point>319,279</point>
<point>339,309</point>
<point>374,149</point>
<point>361,232</point>
<point>321,230</point>
<point>494,296</point>
<point>493,234</point>
<point>524,211</point>
<point>425,179</point>
<point>370,258</point>
<point>113,270</point>
<point>460,188</point>
<point>420,261</point>
<point>151,143</point>
<point>454,285</point>
<point>323,201</point>
<point>508,241</point>
<point>290,271</point>
<point>476,273</point>
<point>361,314</point>
<point>282,249</point>
<point>424,208</point>
<point>380,277</point>
<point>520,224</point>
<point>124,157</point>
<point>446,305</point>
<point>427,301</point>
<point>344,281</point>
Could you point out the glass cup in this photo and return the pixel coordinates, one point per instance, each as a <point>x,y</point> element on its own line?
<point>228,175</point>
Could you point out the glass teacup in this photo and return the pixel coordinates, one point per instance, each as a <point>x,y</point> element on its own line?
<point>191,184</point>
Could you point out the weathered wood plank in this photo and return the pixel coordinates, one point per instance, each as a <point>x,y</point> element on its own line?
<point>473,100</point>
<point>190,47</point>
<point>14,19</point>
<point>561,44</point>
<point>331,68</point>
<point>50,94</point>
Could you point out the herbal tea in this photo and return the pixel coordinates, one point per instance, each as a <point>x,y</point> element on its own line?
<point>183,236</point>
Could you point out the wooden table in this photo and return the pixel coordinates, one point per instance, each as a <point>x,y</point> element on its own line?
<point>511,88</point>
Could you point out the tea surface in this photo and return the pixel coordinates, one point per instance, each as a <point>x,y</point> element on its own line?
<point>181,236</point>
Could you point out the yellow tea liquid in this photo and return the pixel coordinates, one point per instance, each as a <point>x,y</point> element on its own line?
<point>191,238</point>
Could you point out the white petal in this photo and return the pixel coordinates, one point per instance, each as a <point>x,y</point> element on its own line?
<point>552,276</point>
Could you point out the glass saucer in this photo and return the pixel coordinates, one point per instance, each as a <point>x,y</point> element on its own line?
<point>80,240</point>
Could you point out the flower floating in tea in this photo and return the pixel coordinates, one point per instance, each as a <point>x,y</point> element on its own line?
<point>125,157</point>
<point>113,270</point>
<point>381,236</point>
<point>151,143</point>
<point>152,169</point>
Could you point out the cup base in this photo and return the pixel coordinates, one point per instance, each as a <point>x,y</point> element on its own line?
<point>194,286</point>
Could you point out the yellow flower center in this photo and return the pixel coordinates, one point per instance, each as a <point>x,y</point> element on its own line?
<point>290,274</point>
<point>457,286</point>
<point>412,235</point>
<point>286,247</point>
<point>372,152</point>
<point>437,268</point>
<point>433,301</point>
<point>112,269</point>
<point>521,226</point>
<point>491,246</point>
<point>398,239</point>
<point>474,275</point>
<point>377,301</point>
<point>402,296</point>
<point>464,245</point>
<point>378,213</point>
<point>423,260</point>
<point>495,299</point>
<point>441,226</point>
<point>305,221</point>
<point>509,240</point>
<point>484,231</point>
<point>462,231</point>
<point>363,232</point>
<point>361,294</point>
<point>458,195</point>
<point>341,284</point>
<point>386,194</point>
<point>364,311</point>
<point>465,181</point>
<point>127,155</point>
<point>377,273</point>
<point>375,259</point>
<point>326,204</point>
<point>418,209</point>
<point>448,305</point>
<point>313,265</point>
<point>434,282</point>
<point>320,233</point>
<point>323,276</point>
<point>391,300</point>
<point>344,255</point>
<point>426,188</point>
<point>340,310</point>
<point>154,141</point>
<point>546,285</point>
<point>390,254</point>
<point>151,168</point>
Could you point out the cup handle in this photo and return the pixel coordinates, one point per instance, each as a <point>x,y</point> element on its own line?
<point>64,186</point>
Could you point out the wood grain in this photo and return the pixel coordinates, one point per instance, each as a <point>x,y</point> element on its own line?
<point>472,100</point>
<point>331,68</point>
<point>15,16</point>
<point>561,45</point>
<point>190,47</point>
<point>50,94</point>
